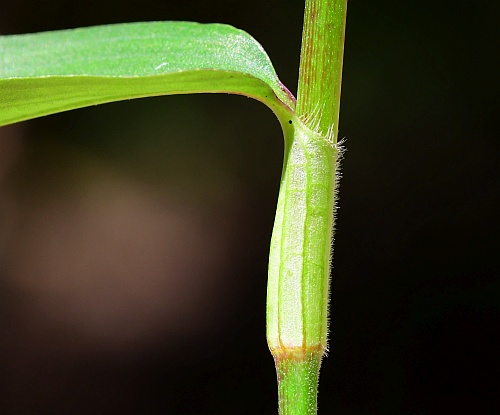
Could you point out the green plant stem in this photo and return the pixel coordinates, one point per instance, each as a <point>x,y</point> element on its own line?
<point>299,264</point>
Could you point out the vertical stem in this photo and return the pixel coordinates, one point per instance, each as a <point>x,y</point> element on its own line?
<point>299,261</point>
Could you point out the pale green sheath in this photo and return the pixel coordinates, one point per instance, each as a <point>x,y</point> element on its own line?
<point>299,262</point>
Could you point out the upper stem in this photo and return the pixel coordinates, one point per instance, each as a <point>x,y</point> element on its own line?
<point>320,74</point>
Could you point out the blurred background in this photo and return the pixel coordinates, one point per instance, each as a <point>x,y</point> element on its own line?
<point>134,236</point>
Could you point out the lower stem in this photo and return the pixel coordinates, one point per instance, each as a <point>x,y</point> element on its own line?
<point>297,383</point>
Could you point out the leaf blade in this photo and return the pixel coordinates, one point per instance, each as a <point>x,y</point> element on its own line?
<point>49,72</point>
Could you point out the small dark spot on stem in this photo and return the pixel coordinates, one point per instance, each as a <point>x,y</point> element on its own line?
<point>289,121</point>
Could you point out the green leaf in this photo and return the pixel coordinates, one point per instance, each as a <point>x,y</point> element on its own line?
<point>50,72</point>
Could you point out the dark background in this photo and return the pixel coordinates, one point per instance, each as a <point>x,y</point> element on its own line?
<point>134,236</point>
